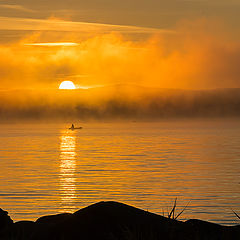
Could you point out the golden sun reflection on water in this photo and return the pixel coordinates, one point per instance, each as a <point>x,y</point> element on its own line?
<point>67,170</point>
<point>145,165</point>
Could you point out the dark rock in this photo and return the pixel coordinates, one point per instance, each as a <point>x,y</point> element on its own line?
<point>117,221</point>
<point>112,220</point>
<point>53,219</point>
<point>5,220</point>
<point>46,223</point>
<point>208,230</point>
<point>20,231</point>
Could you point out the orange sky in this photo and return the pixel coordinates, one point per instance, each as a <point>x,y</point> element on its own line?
<point>193,55</point>
<point>160,44</point>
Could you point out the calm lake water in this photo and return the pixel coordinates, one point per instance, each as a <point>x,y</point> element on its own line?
<point>47,169</point>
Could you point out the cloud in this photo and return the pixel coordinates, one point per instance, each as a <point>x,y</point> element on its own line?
<point>200,55</point>
<point>53,24</point>
<point>124,75</point>
<point>56,44</point>
<point>16,7</point>
<point>119,76</point>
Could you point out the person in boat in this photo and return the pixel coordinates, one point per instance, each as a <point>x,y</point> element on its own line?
<point>73,128</point>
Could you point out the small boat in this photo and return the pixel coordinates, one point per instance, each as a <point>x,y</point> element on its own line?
<point>73,128</point>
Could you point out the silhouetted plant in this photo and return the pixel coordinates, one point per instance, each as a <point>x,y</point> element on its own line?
<point>236,215</point>
<point>172,213</point>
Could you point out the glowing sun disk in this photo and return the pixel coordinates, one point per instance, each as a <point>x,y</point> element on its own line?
<point>67,85</point>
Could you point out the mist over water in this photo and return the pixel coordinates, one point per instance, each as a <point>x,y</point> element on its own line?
<point>118,102</point>
<point>47,169</point>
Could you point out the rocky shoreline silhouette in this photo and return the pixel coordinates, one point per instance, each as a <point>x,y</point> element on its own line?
<point>113,221</point>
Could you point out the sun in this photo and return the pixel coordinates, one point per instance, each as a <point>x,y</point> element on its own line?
<point>67,85</point>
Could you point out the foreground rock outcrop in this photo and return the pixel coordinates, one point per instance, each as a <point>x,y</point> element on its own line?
<point>115,221</point>
<point>5,220</point>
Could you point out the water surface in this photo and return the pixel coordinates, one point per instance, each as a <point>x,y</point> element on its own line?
<point>47,169</point>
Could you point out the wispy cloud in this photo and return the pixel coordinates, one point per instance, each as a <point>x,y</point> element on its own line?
<point>52,44</point>
<point>199,56</point>
<point>16,7</point>
<point>7,23</point>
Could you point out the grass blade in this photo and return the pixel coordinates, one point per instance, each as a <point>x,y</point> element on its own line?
<point>236,214</point>
<point>173,209</point>
<point>182,210</point>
